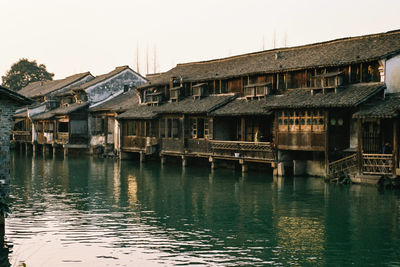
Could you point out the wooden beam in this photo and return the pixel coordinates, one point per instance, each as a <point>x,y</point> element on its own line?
<point>326,149</point>
<point>243,129</point>
<point>277,81</point>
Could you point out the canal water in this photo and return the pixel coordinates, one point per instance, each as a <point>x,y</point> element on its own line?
<point>84,211</point>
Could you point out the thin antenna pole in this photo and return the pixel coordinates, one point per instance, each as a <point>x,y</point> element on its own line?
<point>155,59</point>
<point>263,43</point>
<point>147,58</point>
<point>137,58</point>
<point>274,41</point>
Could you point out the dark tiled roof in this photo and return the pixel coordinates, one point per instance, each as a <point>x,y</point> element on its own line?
<point>242,107</point>
<point>17,97</point>
<point>103,77</point>
<point>332,53</point>
<point>188,105</point>
<point>60,111</point>
<point>119,103</point>
<point>140,112</point>
<point>41,88</point>
<point>383,108</point>
<point>346,96</point>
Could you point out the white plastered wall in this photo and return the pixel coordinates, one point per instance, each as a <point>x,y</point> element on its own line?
<point>392,74</point>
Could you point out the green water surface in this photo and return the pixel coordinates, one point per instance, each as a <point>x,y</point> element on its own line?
<point>84,211</point>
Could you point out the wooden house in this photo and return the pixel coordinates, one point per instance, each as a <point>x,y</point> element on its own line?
<point>64,127</point>
<point>104,127</point>
<point>175,128</point>
<point>45,95</point>
<point>66,122</point>
<point>297,100</point>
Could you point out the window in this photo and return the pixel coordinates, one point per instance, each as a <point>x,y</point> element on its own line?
<point>175,128</point>
<point>162,128</point>
<point>200,128</point>
<point>63,127</point>
<point>98,125</point>
<point>40,127</point>
<point>49,127</point>
<point>170,128</point>
<point>131,128</point>
<point>304,121</point>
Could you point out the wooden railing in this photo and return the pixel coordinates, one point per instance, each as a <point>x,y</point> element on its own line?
<point>377,163</point>
<point>22,136</point>
<point>138,142</point>
<point>343,166</point>
<point>62,138</point>
<point>245,150</point>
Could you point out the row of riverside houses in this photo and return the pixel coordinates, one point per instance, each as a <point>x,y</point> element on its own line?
<point>59,119</point>
<point>324,108</point>
<point>288,107</point>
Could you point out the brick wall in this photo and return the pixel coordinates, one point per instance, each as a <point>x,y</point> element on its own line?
<point>7,108</point>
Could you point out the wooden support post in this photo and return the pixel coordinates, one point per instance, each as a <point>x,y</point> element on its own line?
<point>243,129</point>
<point>54,149</point>
<point>326,150</point>
<point>26,148</point>
<point>33,149</point>
<point>395,148</point>
<point>65,151</point>
<point>361,73</point>
<point>105,130</point>
<point>163,160</point>
<point>359,146</point>
<point>142,157</point>
<point>20,147</point>
<point>277,81</point>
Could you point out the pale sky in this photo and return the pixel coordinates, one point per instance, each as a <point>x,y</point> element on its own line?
<point>71,36</point>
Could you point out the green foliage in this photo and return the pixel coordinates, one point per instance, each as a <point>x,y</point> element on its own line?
<point>24,72</point>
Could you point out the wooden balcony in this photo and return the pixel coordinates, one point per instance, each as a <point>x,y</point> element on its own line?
<point>139,143</point>
<point>307,141</point>
<point>22,136</point>
<point>45,138</point>
<point>62,138</point>
<point>249,151</point>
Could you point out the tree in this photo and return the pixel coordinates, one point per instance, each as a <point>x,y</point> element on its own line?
<point>24,72</point>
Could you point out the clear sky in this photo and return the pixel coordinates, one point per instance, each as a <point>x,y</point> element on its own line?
<point>71,36</point>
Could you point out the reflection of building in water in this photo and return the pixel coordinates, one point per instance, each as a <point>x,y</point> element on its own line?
<point>300,238</point>
<point>132,189</point>
<point>117,181</point>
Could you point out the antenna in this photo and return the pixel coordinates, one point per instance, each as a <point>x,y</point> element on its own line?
<point>285,40</point>
<point>155,59</point>
<point>137,57</point>
<point>274,40</point>
<point>263,43</point>
<point>147,58</point>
